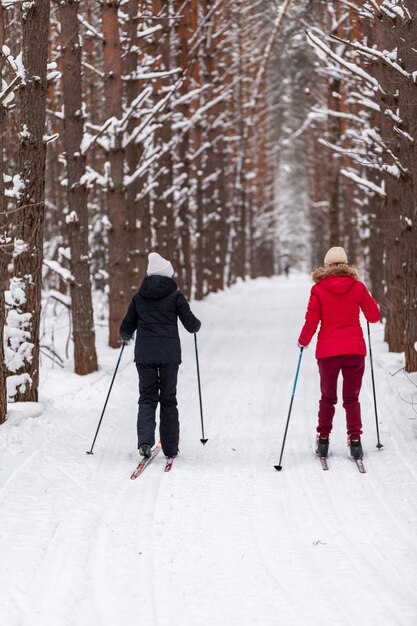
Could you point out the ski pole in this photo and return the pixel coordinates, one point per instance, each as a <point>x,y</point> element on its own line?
<point>203,440</point>
<point>108,395</point>
<point>279,466</point>
<point>379,445</point>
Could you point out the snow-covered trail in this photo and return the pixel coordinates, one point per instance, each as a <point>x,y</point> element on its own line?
<point>223,539</point>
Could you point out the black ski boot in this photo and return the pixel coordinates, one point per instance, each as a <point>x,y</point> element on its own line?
<point>145,450</point>
<point>356,449</point>
<point>322,448</point>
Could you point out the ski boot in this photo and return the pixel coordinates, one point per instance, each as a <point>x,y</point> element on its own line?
<point>356,451</point>
<point>145,450</point>
<point>322,446</point>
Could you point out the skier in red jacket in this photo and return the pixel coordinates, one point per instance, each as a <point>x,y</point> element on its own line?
<point>335,301</point>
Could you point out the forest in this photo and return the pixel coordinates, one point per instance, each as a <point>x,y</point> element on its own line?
<point>235,138</point>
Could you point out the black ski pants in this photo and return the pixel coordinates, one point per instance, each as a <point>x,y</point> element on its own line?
<point>158,383</point>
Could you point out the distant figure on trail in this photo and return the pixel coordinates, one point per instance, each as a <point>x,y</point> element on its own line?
<point>287,270</point>
<point>335,301</point>
<point>153,314</point>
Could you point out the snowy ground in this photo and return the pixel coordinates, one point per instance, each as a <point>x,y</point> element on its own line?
<point>223,539</point>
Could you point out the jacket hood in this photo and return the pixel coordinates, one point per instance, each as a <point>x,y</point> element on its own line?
<point>156,287</point>
<point>338,278</point>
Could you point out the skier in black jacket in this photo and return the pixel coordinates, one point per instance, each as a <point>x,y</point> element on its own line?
<point>153,313</point>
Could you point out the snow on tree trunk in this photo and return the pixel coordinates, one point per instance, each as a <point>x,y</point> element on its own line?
<point>24,317</point>
<point>85,357</point>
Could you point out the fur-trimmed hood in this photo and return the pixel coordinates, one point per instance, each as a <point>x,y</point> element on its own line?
<point>337,279</point>
<point>336,270</point>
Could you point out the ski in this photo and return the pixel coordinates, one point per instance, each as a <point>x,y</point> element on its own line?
<point>324,463</point>
<point>168,465</point>
<point>143,464</point>
<point>360,465</point>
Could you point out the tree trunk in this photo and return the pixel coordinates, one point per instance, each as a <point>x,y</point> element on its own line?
<point>137,206</point>
<point>118,292</point>
<point>214,62</point>
<point>32,155</point>
<point>407,101</point>
<point>393,294</point>
<point>187,26</point>
<point>85,357</point>
<point>3,231</point>
<point>163,197</point>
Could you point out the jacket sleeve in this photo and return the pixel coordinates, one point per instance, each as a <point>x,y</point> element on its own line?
<point>369,306</point>
<point>188,319</point>
<point>130,322</point>
<point>313,316</point>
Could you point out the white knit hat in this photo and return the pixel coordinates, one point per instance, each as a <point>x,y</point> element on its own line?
<point>335,255</point>
<point>159,266</point>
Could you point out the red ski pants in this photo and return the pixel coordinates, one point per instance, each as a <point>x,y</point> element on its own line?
<point>352,367</point>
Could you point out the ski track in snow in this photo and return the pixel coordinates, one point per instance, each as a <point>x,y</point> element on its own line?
<point>223,539</point>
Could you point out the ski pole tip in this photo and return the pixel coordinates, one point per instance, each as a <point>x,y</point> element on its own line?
<point>89,452</point>
<point>379,445</point>
<point>204,441</point>
<point>278,467</point>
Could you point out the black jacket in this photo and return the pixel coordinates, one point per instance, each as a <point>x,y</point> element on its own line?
<point>153,313</point>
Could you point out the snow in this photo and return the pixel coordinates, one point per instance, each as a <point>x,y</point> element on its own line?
<point>364,182</point>
<point>404,134</point>
<point>5,100</point>
<point>326,53</point>
<point>17,383</point>
<point>19,247</point>
<point>18,348</point>
<point>18,185</point>
<point>56,267</point>
<point>71,218</point>
<point>17,335</point>
<point>223,539</point>
<point>90,28</point>
<point>15,62</point>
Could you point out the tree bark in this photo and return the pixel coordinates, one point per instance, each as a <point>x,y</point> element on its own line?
<point>187,26</point>
<point>137,213</point>
<point>3,231</point>
<point>407,101</point>
<point>392,300</point>
<point>32,154</point>
<point>164,214</point>
<point>118,291</point>
<point>85,357</point>
<point>214,191</point>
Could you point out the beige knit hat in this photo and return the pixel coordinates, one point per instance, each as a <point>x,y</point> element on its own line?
<point>335,255</point>
<point>159,266</point>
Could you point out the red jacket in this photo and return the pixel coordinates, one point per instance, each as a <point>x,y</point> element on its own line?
<point>336,300</point>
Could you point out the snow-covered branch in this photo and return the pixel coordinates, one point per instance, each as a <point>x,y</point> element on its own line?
<point>326,53</point>
<point>364,182</point>
<point>384,56</point>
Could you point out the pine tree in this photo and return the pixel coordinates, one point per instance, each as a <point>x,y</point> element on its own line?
<point>85,358</point>
<point>28,254</point>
